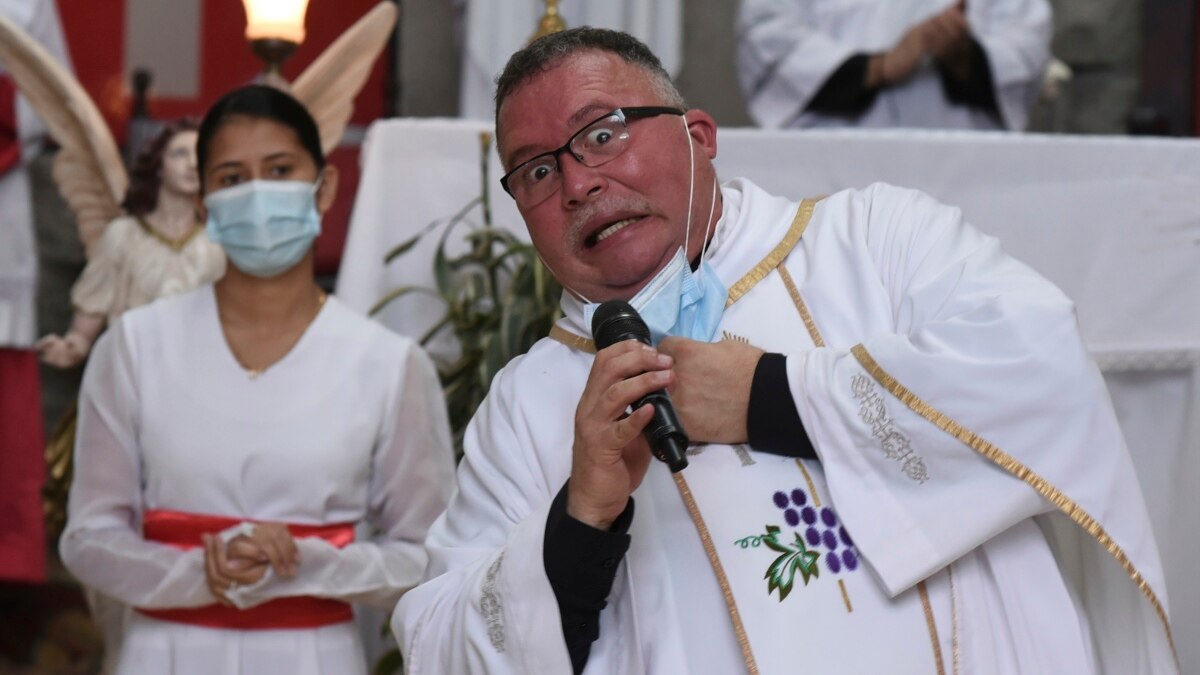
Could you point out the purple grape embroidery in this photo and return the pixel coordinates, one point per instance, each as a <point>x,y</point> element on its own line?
<point>822,529</point>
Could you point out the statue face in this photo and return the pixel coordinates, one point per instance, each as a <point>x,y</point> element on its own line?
<point>178,170</point>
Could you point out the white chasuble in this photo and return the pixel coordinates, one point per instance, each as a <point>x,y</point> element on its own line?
<point>973,509</point>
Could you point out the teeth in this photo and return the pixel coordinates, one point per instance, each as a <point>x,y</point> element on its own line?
<point>613,229</point>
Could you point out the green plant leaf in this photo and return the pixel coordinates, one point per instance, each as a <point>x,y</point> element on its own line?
<point>390,663</point>
<point>397,293</point>
<point>499,301</point>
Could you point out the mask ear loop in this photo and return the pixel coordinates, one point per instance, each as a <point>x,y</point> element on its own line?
<point>578,296</point>
<point>712,207</point>
<point>687,228</point>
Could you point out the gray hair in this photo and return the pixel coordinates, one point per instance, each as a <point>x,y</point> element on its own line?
<point>547,52</point>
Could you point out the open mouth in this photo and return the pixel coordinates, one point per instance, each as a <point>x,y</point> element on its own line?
<point>609,230</point>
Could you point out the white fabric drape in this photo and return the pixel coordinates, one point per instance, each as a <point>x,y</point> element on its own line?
<point>494,30</point>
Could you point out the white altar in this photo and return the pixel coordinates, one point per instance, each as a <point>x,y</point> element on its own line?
<point>1115,222</point>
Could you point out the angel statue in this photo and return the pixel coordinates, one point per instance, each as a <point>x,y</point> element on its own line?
<point>154,249</point>
<point>144,243</point>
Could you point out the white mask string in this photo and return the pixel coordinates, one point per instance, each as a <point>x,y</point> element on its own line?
<point>687,227</point>
<point>712,205</point>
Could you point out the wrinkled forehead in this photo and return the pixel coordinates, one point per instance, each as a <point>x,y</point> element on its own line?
<point>548,106</point>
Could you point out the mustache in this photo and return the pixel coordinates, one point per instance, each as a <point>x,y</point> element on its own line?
<point>580,219</point>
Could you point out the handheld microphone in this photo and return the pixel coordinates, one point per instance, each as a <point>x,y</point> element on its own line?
<point>617,320</point>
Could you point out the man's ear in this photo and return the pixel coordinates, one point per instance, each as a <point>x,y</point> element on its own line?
<point>703,129</point>
<point>327,192</point>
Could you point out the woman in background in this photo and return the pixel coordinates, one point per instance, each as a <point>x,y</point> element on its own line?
<point>231,438</point>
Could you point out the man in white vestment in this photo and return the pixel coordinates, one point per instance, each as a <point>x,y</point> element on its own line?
<point>902,459</point>
<point>935,64</point>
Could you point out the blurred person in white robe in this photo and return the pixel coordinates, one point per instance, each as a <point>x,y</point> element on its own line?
<point>492,31</point>
<point>931,64</point>
<point>902,458</point>
<point>23,472</point>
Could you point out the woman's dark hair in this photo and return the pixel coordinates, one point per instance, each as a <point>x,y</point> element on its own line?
<point>262,102</point>
<point>145,178</point>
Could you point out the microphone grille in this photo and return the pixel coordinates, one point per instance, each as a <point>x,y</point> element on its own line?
<point>617,320</point>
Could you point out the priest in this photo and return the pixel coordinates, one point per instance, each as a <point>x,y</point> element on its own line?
<point>902,459</point>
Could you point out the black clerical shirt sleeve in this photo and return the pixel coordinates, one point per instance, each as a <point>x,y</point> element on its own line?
<point>978,90</point>
<point>845,92</point>
<point>581,564</point>
<point>772,421</point>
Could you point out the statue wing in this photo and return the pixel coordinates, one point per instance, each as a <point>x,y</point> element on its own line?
<point>88,168</point>
<point>330,84</point>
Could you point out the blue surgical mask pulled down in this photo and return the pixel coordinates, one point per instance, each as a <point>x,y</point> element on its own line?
<point>265,226</point>
<point>678,301</point>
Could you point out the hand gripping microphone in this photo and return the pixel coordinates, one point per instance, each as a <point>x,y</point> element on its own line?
<point>617,320</point>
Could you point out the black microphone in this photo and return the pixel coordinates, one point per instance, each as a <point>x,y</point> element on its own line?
<point>617,320</point>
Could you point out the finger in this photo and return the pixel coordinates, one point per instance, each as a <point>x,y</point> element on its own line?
<point>290,551</point>
<point>675,347</point>
<point>953,24</point>
<point>245,547</point>
<point>274,549</point>
<point>274,557</point>
<point>626,366</point>
<point>222,562</point>
<point>216,582</point>
<point>624,360</point>
<point>287,549</point>
<point>621,395</point>
<point>627,430</point>
<point>940,29</point>
<point>251,574</point>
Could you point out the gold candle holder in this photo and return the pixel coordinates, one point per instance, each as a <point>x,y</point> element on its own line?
<point>551,21</point>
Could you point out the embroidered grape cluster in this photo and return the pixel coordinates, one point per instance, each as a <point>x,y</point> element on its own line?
<point>821,529</point>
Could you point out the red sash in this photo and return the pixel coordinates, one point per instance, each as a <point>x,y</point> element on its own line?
<point>183,530</point>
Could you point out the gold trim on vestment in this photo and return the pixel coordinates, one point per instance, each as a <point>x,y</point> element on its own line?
<point>1007,462</point>
<point>749,280</point>
<point>739,629</point>
<point>845,596</point>
<point>812,487</point>
<point>572,340</point>
<point>932,624</point>
<point>776,256</point>
<point>800,306</point>
<point>953,616</point>
<point>175,245</point>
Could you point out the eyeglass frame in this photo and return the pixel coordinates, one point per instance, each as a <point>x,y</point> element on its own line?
<point>626,114</point>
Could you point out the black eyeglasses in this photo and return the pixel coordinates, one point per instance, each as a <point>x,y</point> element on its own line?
<point>533,181</point>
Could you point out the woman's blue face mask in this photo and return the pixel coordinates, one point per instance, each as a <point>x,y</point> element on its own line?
<point>265,226</point>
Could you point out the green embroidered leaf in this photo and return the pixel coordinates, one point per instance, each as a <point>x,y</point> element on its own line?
<point>781,575</point>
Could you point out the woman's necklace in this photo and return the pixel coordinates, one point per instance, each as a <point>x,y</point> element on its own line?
<point>254,373</point>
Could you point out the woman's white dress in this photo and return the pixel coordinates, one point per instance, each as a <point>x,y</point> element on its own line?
<point>350,426</point>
